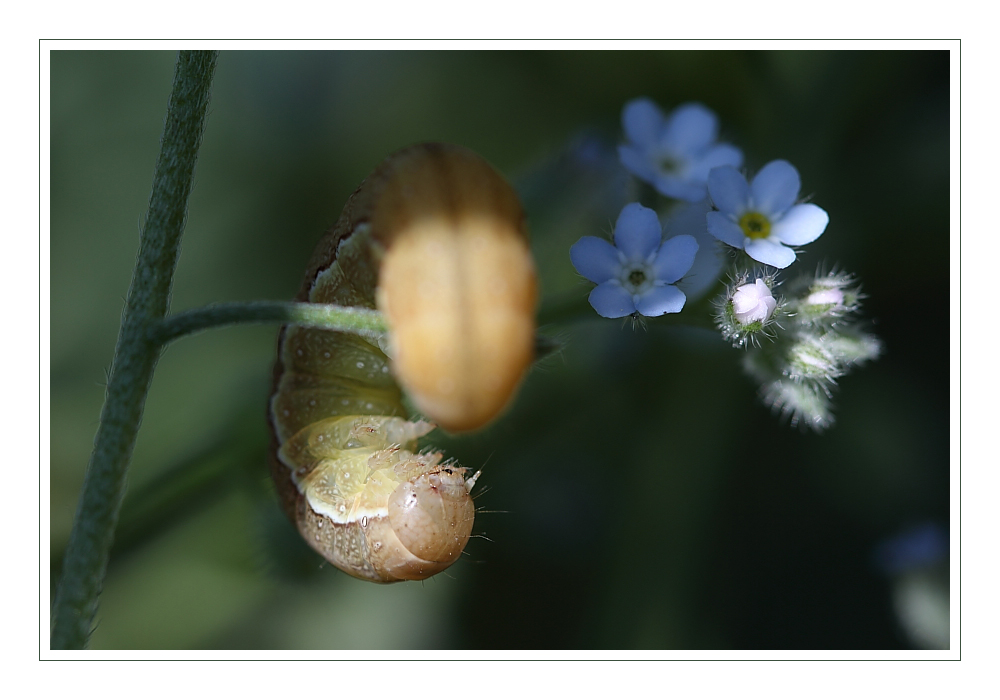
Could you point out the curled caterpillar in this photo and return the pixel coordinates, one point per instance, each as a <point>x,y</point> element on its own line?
<point>435,239</point>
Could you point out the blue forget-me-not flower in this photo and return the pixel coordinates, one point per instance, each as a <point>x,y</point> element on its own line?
<point>637,273</point>
<point>762,218</point>
<point>674,153</point>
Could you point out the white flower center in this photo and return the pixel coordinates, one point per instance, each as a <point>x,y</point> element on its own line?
<point>668,162</point>
<point>637,277</point>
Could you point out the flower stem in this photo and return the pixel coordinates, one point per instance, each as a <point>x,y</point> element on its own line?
<point>136,353</point>
<point>364,322</point>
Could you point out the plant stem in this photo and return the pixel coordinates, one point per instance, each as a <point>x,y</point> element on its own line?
<point>135,354</point>
<point>364,322</point>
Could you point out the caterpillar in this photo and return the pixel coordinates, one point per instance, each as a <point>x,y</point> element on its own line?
<point>436,240</point>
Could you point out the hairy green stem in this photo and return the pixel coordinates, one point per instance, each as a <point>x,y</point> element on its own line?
<point>136,354</point>
<point>364,322</point>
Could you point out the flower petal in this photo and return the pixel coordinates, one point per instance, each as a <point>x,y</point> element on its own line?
<point>642,121</point>
<point>675,258</point>
<point>729,190</point>
<point>637,162</point>
<point>775,188</point>
<point>657,301</point>
<point>725,229</point>
<point>610,300</point>
<point>637,232</point>
<point>690,128</point>
<point>801,224</point>
<point>679,188</point>
<point>595,259</point>
<point>717,156</point>
<point>770,252</point>
<point>708,262</point>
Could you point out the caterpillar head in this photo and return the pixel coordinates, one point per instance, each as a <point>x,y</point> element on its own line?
<point>430,517</point>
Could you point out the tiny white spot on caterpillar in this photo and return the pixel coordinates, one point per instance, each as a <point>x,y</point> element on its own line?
<point>360,364</point>
<point>364,521</point>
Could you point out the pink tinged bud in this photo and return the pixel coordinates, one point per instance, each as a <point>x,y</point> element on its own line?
<point>753,303</point>
<point>832,297</point>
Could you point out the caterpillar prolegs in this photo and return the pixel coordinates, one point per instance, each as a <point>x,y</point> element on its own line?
<point>435,239</point>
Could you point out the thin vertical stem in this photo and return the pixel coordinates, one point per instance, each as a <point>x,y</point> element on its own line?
<point>136,353</point>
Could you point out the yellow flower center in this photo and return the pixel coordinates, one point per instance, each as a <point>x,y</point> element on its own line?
<point>755,225</point>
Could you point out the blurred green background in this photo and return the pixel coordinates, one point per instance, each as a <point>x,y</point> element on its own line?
<point>637,493</point>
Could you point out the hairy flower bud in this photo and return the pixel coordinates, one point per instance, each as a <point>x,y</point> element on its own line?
<point>823,299</point>
<point>851,346</point>
<point>805,405</point>
<point>746,309</point>
<point>826,297</point>
<point>753,303</point>
<point>811,359</point>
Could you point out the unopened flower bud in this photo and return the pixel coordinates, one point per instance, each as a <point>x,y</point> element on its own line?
<point>747,312</point>
<point>851,346</point>
<point>804,404</point>
<point>810,359</point>
<point>753,303</point>
<point>826,297</point>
